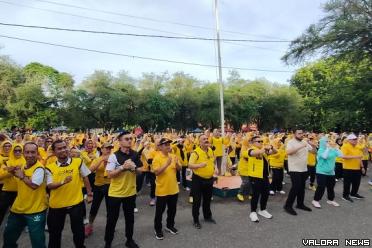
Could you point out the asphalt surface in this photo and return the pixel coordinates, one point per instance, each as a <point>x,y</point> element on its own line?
<point>234,229</point>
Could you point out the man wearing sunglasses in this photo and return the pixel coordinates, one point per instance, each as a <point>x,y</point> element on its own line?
<point>297,151</point>
<point>258,172</point>
<point>121,168</point>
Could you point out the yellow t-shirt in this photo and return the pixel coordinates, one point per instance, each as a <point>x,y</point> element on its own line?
<point>166,182</point>
<point>277,160</point>
<point>311,159</point>
<point>86,159</point>
<point>101,176</point>
<point>200,156</point>
<point>349,150</point>
<point>10,183</point>
<point>217,143</point>
<point>30,201</point>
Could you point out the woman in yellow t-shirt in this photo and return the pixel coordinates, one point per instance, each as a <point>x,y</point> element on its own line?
<point>9,191</point>
<point>276,162</point>
<point>363,147</point>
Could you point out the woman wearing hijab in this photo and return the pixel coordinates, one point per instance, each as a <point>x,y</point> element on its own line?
<point>9,191</point>
<point>5,149</point>
<point>325,171</point>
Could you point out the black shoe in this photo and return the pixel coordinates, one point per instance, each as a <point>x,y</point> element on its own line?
<point>107,245</point>
<point>290,210</point>
<point>210,220</point>
<point>131,244</point>
<point>305,208</point>
<point>172,230</point>
<point>357,196</point>
<point>347,198</point>
<point>197,225</point>
<point>159,235</point>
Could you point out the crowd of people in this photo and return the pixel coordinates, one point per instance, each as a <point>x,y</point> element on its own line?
<point>47,176</point>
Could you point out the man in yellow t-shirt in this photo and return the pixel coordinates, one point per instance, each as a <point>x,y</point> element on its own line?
<point>352,168</point>
<point>29,207</point>
<point>165,166</point>
<point>202,164</point>
<point>217,147</point>
<point>121,168</point>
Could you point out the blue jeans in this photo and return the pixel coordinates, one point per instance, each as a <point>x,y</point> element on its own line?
<point>17,222</point>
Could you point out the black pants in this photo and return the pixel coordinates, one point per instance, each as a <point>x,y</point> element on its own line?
<point>183,175</point>
<point>169,201</point>
<point>99,192</point>
<point>351,178</point>
<point>325,181</point>
<point>311,172</point>
<point>150,177</point>
<point>286,165</point>
<point>113,210</point>
<point>202,189</point>
<point>56,223</point>
<point>277,179</point>
<point>365,166</point>
<point>338,170</point>
<point>237,152</point>
<point>6,201</point>
<point>297,190</point>
<point>260,191</point>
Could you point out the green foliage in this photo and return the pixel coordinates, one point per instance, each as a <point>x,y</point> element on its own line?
<point>337,94</point>
<point>345,31</point>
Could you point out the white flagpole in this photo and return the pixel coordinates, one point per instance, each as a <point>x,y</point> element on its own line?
<point>222,111</point>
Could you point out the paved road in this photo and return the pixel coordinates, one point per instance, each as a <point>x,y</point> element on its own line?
<point>234,228</point>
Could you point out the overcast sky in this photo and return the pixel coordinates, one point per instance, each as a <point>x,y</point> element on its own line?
<point>252,19</point>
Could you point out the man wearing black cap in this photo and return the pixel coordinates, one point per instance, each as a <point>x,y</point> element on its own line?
<point>121,168</point>
<point>165,166</point>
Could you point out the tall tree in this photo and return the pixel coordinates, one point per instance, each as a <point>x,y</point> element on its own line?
<point>345,31</point>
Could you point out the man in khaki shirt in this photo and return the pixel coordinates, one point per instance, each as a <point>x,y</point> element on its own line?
<point>297,151</point>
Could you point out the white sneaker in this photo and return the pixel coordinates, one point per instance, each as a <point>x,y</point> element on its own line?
<point>283,183</point>
<point>333,203</point>
<point>282,192</point>
<point>187,189</point>
<point>86,221</point>
<point>265,214</point>
<point>272,192</point>
<point>253,216</point>
<point>370,182</point>
<point>316,204</point>
<point>136,210</point>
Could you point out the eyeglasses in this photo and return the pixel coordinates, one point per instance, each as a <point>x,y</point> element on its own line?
<point>17,150</point>
<point>128,139</point>
<point>259,141</point>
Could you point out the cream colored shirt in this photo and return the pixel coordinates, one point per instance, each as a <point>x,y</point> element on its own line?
<point>297,162</point>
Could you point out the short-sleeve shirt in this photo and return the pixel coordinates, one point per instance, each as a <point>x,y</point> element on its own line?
<point>297,162</point>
